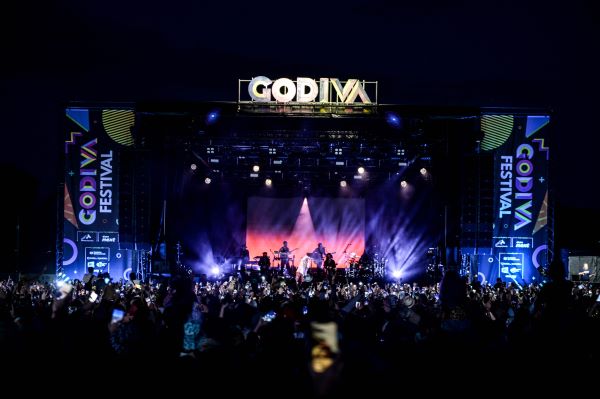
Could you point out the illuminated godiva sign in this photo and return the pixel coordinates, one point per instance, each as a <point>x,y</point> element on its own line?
<point>307,90</point>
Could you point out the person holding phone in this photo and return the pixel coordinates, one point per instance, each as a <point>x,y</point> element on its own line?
<point>132,333</point>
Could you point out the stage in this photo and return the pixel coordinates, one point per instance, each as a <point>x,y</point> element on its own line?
<point>153,187</point>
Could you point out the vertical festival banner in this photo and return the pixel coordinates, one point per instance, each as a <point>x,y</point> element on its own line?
<point>520,231</point>
<point>91,194</point>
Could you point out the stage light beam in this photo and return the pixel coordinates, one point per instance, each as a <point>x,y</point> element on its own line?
<point>212,117</point>
<point>393,120</point>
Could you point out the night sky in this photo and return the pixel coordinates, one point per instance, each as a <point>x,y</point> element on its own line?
<point>430,52</point>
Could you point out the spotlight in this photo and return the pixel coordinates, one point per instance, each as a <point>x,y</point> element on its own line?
<point>403,184</point>
<point>193,166</point>
<point>396,274</point>
<point>268,182</point>
<point>423,171</point>
<point>215,270</point>
<point>343,183</point>
<point>207,180</point>
<point>361,170</point>
<point>255,168</point>
<point>212,117</point>
<point>393,120</point>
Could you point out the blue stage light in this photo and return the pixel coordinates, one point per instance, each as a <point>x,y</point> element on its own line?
<point>212,117</point>
<point>393,120</point>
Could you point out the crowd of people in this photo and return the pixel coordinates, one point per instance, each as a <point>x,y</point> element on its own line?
<point>320,338</point>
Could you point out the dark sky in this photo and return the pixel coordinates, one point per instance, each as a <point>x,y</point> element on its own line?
<point>462,52</point>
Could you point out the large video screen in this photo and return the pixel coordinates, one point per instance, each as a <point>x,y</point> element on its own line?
<point>337,223</point>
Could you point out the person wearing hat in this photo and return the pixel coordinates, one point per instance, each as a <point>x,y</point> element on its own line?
<point>408,314</point>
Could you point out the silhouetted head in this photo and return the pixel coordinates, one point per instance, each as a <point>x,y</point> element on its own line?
<point>452,289</point>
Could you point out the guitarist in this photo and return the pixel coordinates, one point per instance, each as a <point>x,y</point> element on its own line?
<point>318,254</point>
<point>284,257</point>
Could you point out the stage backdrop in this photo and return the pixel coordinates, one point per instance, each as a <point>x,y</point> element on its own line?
<point>91,192</point>
<point>520,238</point>
<point>338,223</point>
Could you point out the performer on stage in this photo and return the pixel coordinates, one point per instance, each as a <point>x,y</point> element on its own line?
<point>264,263</point>
<point>318,254</point>
<point>244,259</point>
<point>330,267</point>
<point>284,256</point>
<point>303,267</point>
<point>245,255</point>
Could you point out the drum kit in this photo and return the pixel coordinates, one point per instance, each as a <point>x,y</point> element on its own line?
<point>365,269</point>
<point>352,265</point>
